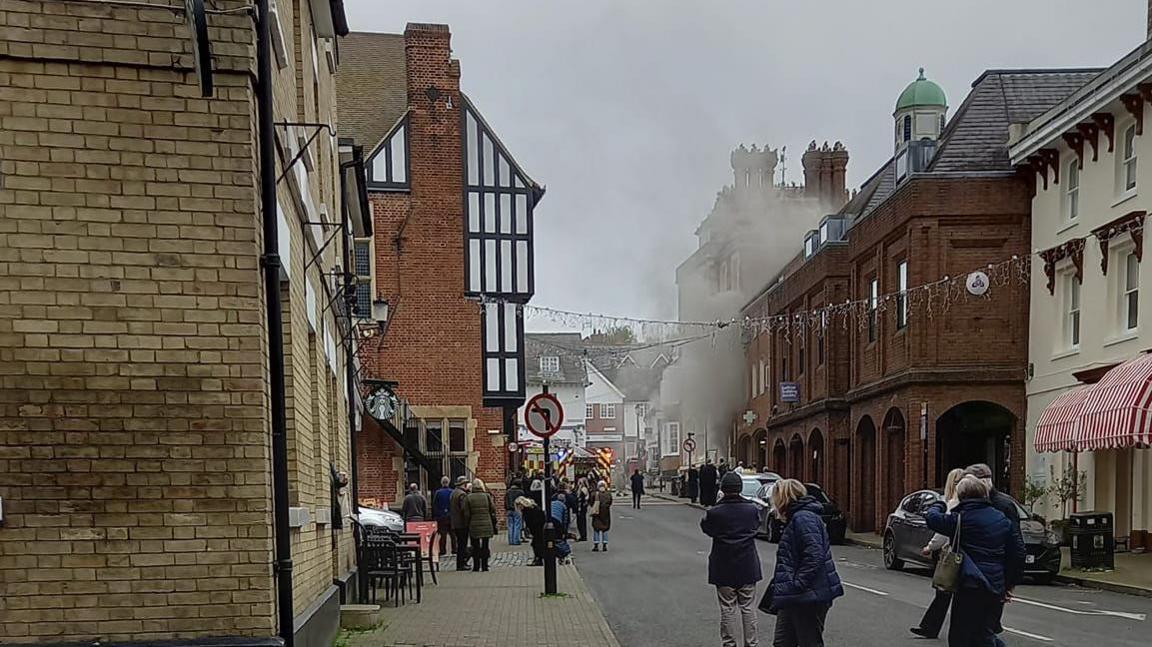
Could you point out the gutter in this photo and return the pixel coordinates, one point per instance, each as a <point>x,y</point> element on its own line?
<point>356,164</point>
<point>271,263</point>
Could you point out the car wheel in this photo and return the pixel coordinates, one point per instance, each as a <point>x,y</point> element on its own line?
<point>891,561</point>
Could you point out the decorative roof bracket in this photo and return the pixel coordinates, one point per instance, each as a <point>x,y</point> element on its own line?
<point>1090,134</point>
<point>1107,124</point>
<point>1135,105</point>
<point>1075,141</point>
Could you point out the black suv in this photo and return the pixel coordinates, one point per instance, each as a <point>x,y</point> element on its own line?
<point>833,518</point>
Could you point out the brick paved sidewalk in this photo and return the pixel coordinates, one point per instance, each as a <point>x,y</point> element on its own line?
<point>500,608</point>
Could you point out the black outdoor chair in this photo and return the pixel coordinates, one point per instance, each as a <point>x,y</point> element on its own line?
<point>383,564</point>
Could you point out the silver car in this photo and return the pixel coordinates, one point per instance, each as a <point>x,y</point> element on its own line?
<point>381,518</point>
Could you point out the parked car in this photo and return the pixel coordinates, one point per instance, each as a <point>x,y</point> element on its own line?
<point>906,533</point>
<point>833,517</point>
<point>752,486</point>
<point>382,518</point>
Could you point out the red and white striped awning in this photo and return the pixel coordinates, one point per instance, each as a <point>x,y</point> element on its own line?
<point>1057,429</point>
<point>1116,411</point>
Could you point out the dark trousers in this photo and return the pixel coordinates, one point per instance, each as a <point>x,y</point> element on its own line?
<point>800,626</point>
<point>461,538</point>
<point>975,615</point>
<point>582,524</point>
<point>636,499</point>
<point>444,531</point>
<point>480,553</point>
<point>934,616</point>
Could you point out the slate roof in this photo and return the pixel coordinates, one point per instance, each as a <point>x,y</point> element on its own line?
<point>569,347</point>
<point>371,86</point>
<point>632,369</point>
<point>977,138</point>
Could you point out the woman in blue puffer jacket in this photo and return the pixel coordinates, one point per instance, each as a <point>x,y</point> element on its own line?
<point>805,582</point>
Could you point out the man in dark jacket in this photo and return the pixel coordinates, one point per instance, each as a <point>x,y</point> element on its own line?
<point>637,488</point>
<point>459,524</point>
<point>415,506</point>
<point>1007,507</point>
<point>993,559</point>
<point>734,564</point>
<point>693,483</point>
<point>709,479</point>
<point>442,513</point>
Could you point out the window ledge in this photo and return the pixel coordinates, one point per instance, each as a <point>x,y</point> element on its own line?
<point>1067,353</point>
<point>1124,197</point>
<point>1120,339</point>
<point>1068,225</point>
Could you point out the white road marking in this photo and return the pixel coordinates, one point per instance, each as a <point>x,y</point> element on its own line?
<point>863,588</point>
<point>1028,635</point>
<point>1138,617</point>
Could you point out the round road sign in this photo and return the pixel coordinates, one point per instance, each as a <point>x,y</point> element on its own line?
<point>512,447</point>
<point>543,415</point>
<point>689,445</point>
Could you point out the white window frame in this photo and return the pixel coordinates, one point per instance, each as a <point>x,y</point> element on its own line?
<point>673,438</point>
<point>902,296</point>
<point>589,411</point>
<point>873,303</point>
<point>1130,299</point>
<point>608,411</point>
<point>1072,191</point>
<point>1072,309</point>
<point>549,364</point>
<point>1128,160</point>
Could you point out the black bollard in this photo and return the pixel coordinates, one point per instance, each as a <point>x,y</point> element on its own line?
<point>549,558</point>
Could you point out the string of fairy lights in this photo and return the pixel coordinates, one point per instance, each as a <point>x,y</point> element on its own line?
<point>931,299</point>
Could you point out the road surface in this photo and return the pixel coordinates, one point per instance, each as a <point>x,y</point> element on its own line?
<point>652,586</point>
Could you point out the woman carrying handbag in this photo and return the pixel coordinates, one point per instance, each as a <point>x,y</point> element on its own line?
<point>933,618</point>
<point>984,554</point>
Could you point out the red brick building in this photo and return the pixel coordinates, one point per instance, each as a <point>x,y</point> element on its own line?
<point>897,384</point>
<point>446,274</point>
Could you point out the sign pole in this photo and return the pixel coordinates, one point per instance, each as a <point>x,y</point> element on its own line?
<point>544,415</point>
<point>549,527</point>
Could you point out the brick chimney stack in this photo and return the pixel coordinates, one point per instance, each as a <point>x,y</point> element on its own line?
<point>825,173</point>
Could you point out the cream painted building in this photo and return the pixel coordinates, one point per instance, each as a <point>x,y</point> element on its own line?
<point>1092,162</point>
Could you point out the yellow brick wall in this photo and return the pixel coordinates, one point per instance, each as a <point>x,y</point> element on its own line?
<point>134,424</point>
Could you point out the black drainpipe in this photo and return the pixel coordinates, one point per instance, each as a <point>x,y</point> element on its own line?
<point>357,162</point>
<point>271,262</point>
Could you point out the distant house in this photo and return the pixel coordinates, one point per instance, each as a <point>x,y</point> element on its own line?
<point>556,360</point>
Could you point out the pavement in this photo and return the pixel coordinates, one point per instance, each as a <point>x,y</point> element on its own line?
<point>652,587</point>
<point>501,608</point>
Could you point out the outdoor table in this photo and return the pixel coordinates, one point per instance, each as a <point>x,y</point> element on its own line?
<point>414,550</point>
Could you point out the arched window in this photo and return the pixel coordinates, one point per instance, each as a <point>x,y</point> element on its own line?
<point>907,128</point>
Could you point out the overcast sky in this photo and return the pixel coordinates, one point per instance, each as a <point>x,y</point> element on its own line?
<point>627,110</point>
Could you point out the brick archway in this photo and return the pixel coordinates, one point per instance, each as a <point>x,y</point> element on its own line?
<point>815,458</point>
<point>977,431</point>
<point>796,458</point>
<point>895,444</point>
<point>864,513</point>
<point>779,457</point>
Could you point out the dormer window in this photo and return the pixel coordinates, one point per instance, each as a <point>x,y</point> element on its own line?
<point>549,364</point>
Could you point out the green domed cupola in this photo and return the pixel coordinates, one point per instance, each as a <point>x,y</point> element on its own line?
<point>921,112</point>
<point>921,93</point>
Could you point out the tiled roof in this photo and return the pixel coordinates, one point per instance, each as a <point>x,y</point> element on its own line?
<point>977,137</point>
<point>371,86</point>
<point>568,347</point>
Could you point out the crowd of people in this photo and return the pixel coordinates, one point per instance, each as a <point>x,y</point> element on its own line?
<point>976,522</point>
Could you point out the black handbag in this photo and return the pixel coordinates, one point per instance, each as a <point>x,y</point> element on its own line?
<point>766,601</point>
